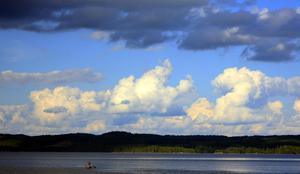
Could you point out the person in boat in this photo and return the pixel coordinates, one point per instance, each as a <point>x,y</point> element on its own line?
<point>89,165</point>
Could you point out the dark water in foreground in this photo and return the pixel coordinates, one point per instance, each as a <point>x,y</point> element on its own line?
<point>156,163</point>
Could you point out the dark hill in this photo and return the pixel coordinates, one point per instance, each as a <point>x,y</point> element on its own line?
<point>128,142</point>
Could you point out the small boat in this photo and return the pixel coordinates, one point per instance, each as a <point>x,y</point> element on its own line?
<point>89,165</point>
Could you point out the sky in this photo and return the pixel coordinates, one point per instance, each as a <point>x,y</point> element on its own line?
<point>207,67</point>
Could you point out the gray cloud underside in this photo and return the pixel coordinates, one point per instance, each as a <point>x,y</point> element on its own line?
<point>193,24</point>
<point>56,110</point>
<point>53,77</point>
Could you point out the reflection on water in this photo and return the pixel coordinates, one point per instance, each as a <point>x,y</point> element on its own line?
<point>158,163</point>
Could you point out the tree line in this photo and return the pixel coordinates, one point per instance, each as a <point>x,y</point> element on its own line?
<point>129,142</point>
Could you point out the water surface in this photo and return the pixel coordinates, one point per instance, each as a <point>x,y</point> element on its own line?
<point>155,162</point>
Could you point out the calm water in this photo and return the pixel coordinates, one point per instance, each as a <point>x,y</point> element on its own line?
<point>157,163</point>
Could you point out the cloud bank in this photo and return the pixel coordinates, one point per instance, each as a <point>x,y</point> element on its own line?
<point>264,34</point>
<point>247,102</point>
<point>147,94</point>
<point>53,77</point>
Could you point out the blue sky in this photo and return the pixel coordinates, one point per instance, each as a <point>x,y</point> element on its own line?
<point>134,48</point>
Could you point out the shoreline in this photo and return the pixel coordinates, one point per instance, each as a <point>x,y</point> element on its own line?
<point>205,153</point>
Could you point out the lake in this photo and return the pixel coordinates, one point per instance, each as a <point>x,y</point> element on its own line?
<point>156,163</point>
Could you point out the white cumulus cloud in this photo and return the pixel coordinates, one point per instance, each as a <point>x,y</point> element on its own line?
<point>297,106</point>
<point>97,126</point>
<point>275,106</point>
<point>244,97</point>
<point>12,113</point>
<point>149,93</point>
<point>73,100</point>
<point>248,102</point>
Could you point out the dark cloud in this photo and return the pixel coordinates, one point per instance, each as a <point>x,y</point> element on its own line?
<point>212,38</point>
<point>272,51</point>
<point>56,110</point>
<point>192,24</point>
<point>138,39</point>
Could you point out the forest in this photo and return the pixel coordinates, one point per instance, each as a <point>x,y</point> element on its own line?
<point>130,142</point>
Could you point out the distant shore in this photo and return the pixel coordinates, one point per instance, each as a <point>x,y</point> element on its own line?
<point>128,142</point>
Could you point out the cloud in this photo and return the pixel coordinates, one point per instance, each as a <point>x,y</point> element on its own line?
<point>97,126</point>
<point>244,99</point>
<point>56,110</point>
<point>297,106</point>
<point>201,108</point>
<point>275,107</point>
<point>268,34</point>
<point>100,35</point>
<point>148,93</point>
<point>167,125</point>
<point>272,51</point>
<point>14,118</point>
<point>248,102</point>
<point>12,114</point>
<point>213,37</point>
<point>54,105</point>
<point>52,77</point>
<point>294,86</point>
